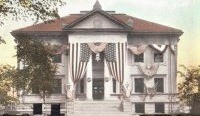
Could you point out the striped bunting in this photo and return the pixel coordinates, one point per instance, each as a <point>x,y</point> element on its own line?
<point>79,57</point>
<point>115,58</point>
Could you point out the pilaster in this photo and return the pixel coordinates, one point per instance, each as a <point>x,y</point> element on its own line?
<point>89,80</point>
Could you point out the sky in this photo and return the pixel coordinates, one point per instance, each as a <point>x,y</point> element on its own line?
<point>180,14</point>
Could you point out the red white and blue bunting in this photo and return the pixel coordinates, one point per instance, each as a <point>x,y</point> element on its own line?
<point>148,69</point>
<point>79,58</point>
<point>138,49</point>
<point>159,48</point>
<point>115,59</point>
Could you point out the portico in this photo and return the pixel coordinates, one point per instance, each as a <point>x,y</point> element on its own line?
<point>99,82</point>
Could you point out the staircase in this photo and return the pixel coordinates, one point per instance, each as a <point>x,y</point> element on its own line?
<point>98,108</point>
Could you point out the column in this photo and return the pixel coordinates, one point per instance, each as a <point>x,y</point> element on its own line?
<point>89,80</point>
<point>107,82</point>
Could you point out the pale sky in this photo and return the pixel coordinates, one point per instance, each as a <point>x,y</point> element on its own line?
<point>180,14</point>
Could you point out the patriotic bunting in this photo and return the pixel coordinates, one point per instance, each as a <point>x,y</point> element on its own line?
<point>79,57</point>
<point>115,58</point>
<point>138,49</point>
<point>97,47</point>
<point>148,69</point>
<point>160,48</point>
<point>151,91</point>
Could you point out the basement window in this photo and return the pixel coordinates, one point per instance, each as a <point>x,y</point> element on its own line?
<point>139,108</point>
<point>159,108</point>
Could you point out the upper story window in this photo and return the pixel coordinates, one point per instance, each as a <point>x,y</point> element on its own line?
<point>139,58</point>
<point>159,108</point>
<point>158,57</point>
<point>159,82</point>
<point>139,108</point>
<point>139,85</point>
<point>57,58</point>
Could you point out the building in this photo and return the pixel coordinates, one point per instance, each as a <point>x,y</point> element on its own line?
<point>120,65</point>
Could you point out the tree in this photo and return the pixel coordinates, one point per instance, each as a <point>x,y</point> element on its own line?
<point>38,70</point>
<point>7,95</point>
<point>29,9</point>
<point>189,89</point>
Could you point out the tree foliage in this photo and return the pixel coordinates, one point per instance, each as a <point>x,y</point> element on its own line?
<point>7,73</point>
<point>189,89</point>
<point>29,9</point>
<point>38,68</point>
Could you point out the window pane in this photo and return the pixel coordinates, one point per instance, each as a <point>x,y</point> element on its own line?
<point>139,58</point>
<point>159,108</point>
<point>139,108</point>
<point>159,84</point>
<point>55,109</point>
<point>35,88</point>
<point>82,85</point>
<point>139,85</point>
<point>57,86</point>
<point>57,58</point>
<point>37,108</point>
<point>158,57</point>
<point>114,85</point>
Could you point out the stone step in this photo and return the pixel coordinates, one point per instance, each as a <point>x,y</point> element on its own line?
<point>100,114</point>
<point>98,108</point>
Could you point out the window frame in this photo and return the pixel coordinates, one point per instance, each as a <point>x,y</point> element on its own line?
<point>35,108</point>
<point>158,106</point>
<point>60,87</point>
<point>139,108</point>
<point>138,57</point>
<point>157,89</point>
<point>138,91</point>
<point>160,55</point>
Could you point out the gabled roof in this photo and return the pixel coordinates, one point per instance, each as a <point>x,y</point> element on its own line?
<point>93,12</point>
<point>137,26</point>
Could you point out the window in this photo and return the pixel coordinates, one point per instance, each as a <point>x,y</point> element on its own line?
<point>57,58</point>
<point>139,58</point>
<point>114,85</point>
<point>35,88</point>
<point>55,109</point>
<point>82,85</point>
<point>139,107</point>
<point>57,89</point>
<point>159,82</point>
<point>158,57</point>
<point>139,85</point>
<point>159,108</point>
<point>37,108</point>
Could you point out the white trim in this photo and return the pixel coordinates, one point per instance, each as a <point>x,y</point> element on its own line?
<point>108,38</point>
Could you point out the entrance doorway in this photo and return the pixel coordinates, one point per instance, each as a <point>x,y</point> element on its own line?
<point>98,89</point>
<point>98,76</point>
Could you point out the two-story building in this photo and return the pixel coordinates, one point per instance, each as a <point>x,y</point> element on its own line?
<point>114,65</point>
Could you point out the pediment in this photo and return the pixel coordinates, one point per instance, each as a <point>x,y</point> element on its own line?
<point>97,20</point>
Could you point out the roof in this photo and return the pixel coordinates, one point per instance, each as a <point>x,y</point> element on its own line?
<point>137,25</point>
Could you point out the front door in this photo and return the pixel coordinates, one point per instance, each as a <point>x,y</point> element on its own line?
<point>98,88</point>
